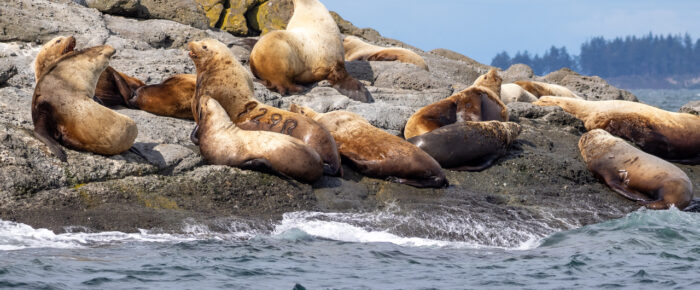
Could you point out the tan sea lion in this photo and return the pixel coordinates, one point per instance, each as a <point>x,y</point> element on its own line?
<point>221,76</point>
<point>258,116</point>
<point>540,89</point>
<point>634,174</point>
<point>171,98</point>
<point>480,102</point>
<point>63,110</point>
<point>468,146</point>
<point>669,135</point>
<point>357,49</point>
<point>113,88</point>
<point>308,51</point>
<point>377,153</point>
<point>511,93</point>
<point>222,143</point>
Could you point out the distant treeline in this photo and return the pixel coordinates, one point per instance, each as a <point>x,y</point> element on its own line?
<point>651,55</point>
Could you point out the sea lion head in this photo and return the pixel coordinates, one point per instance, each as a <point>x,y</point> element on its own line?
<point>305,111</point>
<point>52,51</point>
<point>206,51</point>
<point>512,129</point>
<point>594,143</point>
<point>490,80</point>
<point>350,42</point>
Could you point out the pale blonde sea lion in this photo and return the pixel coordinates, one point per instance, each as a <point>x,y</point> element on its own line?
<point>357,49</point>
<point>511,93</point>
<point>669,135</point>
<point>634,174</point>
<point>308,51</point>
<point>540,89</point>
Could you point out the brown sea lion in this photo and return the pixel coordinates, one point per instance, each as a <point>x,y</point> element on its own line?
<point>259,116</point>
<point>308,51</point>
<point>377,153</point>
<point>222,77</point>
<point>222,143</point>
<point>469,146</point>
<point>669,135</point>
<point>540,89</point>
<point>634,174</point>
<point>480,102</point>
<point>171,98</point>
<point>63,110</point>
<point>356,49</point>
<point>113,88</point>
<point>511,93</point>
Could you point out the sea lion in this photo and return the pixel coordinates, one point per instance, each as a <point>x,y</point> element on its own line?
<point>480,102</point>
<point>468,146</point>
<point>672,136</point>
<point>113,87</point>
<point>222,77</point>
<point>376,153</point>
<point>63,110</point>
<point>540,89</point>
<point>511,93</point>
<point>356,49</point>
<point>308,51</point>
<point>171,98</point>
<point>222,143</point>
<point>634,174</point>
<point>258,116</point>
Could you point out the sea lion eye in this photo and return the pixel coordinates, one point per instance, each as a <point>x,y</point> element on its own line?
<point>204,47</point>
<point>59,41</point>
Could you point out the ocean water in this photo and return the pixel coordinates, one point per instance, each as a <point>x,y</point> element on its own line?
<point>670,100</point>
<point>645,249</point>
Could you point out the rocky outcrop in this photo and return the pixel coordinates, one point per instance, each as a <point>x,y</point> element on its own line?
<point>589,87</point>
<point>541,184</point>
<point>691,108</point>
<point>187,12</point>
<point>270,15</point>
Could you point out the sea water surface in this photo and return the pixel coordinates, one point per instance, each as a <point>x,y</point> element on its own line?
<point>645,249</point>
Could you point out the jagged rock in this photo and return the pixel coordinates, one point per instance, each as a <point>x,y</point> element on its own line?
<point>270,15</point>
<point>7,70</point>
<point>517,72</point>
<point>212,9</point>
<point>691,108</point>
<point>187,12</point>
<point>234,18</point>
<point>458,56</point>
<point>590,88</point>
<point>40,20</point>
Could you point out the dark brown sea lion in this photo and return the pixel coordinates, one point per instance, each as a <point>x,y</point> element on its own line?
<point>669,135</point>
<point>171,98</point>
<point>64,112</point>
<point>634,174</point>
<point>377,153</point>
<point>470,146</point>
<point>540,89</point>
<point>221,76</point>
<point>357,49</point>
<point>308,51</point>
<point>222,143</point>
<point>113,88</point>
<point>480,102</point>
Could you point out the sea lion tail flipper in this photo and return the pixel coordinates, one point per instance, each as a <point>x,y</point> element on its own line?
<point>138,152</point>
<point>43,129</point>
<point>353,89</point>
<point>125,91</point>
<point>264,166</point>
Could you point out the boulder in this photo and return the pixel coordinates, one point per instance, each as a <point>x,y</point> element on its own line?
<point>187,12</point>
<point>588,87</point>
<point>691,108</point>
<point>453,55</point>
<point>270,15</point>
<point>517,72</point>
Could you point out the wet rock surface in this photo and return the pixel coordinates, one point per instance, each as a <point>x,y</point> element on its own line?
<point>541,184</point>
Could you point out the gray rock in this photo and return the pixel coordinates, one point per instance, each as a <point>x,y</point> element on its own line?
<point>691,108</point>
<point>7,70</point>
<point>591,88</point>
<point>460,57</point>
<point>517,72</point>
<point>187,12</point>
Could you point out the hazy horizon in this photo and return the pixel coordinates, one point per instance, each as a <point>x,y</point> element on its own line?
<point>482,28</point>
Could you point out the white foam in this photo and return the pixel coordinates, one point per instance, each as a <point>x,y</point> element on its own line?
<point>328,226</point>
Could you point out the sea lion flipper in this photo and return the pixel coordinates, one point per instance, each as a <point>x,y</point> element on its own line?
<point>262,165</point>
<point>125,92</point>
<point>434,182</point>
<point>43,130</point>
<point>488,161</point>
<point>98,100</point>
<point>194,136</point>
<point>626,192</point>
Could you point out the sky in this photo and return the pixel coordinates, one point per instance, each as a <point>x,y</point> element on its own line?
<point>482,28</point>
